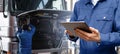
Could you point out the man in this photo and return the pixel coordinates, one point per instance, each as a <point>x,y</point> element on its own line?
<point>24,34</point>
<point>103,17</point>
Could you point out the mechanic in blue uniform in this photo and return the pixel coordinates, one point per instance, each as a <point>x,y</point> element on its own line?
<point>24,35</point>
<point>103,17</point>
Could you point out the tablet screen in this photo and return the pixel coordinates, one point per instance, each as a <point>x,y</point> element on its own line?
<point>76,24</point>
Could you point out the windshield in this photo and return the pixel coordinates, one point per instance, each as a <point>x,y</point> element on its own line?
<point>25,5</point>
<point>18,6</point>
<point>51,4</point>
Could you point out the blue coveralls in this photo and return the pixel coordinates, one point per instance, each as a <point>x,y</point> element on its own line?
<point>105,17</point>
<point>25,40</point>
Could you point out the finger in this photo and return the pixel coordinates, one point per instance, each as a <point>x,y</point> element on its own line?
<point>94,30</point>
<point>82,32</point>
<point>88,36</point>
<point>65,31</point>
<point>82,35</point>
<point>68,32</point>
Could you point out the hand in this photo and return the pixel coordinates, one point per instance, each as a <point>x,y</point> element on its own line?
<point>94,36</point>
<point>69,32</point>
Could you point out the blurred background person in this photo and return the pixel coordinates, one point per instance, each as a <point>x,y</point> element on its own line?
<point>24,34</point>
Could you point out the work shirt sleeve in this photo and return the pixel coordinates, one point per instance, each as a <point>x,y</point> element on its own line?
<point>32,29</point>
<point>72,38</point>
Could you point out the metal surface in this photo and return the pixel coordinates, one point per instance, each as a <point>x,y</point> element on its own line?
<point>62,49</point>
<point>49,50</point>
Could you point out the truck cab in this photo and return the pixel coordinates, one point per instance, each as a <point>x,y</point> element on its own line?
<point>14,10</point>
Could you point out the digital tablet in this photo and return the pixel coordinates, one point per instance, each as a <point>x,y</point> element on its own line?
<point>77,24</point>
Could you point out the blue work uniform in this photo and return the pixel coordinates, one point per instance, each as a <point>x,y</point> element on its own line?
<point>25,40</point>
<point>104,16</point>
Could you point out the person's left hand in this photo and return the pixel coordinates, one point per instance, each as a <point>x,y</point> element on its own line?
<point>94,36</point>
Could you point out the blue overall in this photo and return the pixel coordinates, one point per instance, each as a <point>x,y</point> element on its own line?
<point>25,40</point>
<point>105,17</point>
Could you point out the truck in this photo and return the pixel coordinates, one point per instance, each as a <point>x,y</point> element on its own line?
<point>44,14</point>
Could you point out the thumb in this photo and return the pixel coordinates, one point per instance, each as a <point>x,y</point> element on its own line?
<point>68,32</point>
<point>93,30</point>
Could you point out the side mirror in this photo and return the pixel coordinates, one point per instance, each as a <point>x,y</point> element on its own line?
<point>1,5</point>
<point>5,8</point>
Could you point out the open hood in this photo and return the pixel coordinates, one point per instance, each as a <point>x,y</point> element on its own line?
<point>19,6</point>
<point>44,13</point>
